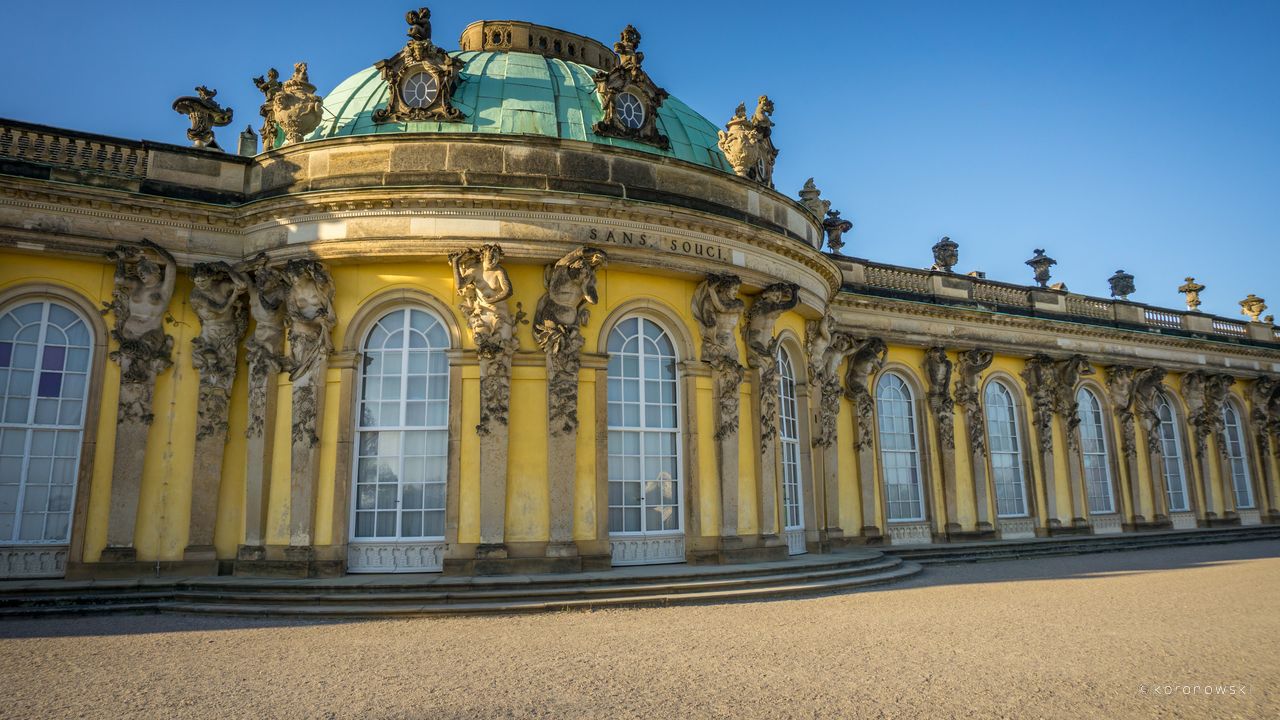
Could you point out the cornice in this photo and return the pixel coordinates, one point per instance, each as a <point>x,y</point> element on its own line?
<point>1060,327</point>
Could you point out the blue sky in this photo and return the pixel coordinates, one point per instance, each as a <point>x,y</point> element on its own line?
<point>1135,135</point>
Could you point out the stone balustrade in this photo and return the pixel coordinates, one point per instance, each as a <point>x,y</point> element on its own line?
<point>954,288</point>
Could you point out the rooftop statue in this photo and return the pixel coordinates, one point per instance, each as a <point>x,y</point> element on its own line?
<point>629,99</point>
<point>811,198</point>
<point>205,114</point>
<point>946,253</point>
<point>1192,289</point>
<point>1121,285</point>
<point>422,77</point>
<point>269,86</point>
<point>747,143</point>
<point>835,227</point>
<point>1252,307</point>
<point>1041,263</point>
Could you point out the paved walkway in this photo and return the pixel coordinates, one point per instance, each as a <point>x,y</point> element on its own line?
<point>1152,633</point>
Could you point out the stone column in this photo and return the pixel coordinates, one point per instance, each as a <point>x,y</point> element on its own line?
<point>718,309</point>
<point>865,360</point>
<point>971,364</point>
<point>140,300</point>
<point>1120,386</point>
<point>1066,377</point>
<point>265,350</point>
<point>484,288</point>
<point>217,296</point>
<point>1146,393</point>
<point>762,358</point>
<point>1263,394</point>
<point>557,322</point>
<point>827,348</point>
<point>310,314</point>
<point>1041,382</point>
<point>937,369</point>
<point>1205,394</point>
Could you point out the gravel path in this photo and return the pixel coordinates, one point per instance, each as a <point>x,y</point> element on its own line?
<point>1096,636</point>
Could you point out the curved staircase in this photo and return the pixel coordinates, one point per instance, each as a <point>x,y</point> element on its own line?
<point>408,595</point>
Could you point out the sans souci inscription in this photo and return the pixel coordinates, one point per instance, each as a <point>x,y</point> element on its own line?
<point>681,246</point>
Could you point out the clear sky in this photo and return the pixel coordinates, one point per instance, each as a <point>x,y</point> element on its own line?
<point>1120,134</point>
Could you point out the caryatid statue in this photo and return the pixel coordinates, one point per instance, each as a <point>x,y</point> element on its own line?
<point>140,301</point>
<point>309,311</point>
<point>718,310</point>
<point>867,359</point>
<point>561,313</point>
<point>762,349</point>
<point>217,297</point>
<point>827,348</point>
<point>484,286</point>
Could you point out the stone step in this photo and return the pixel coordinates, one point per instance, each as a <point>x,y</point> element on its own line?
<point>229,594</point>
<point>312,610</point>
<point>1003,550</point>
<point>410,593</point>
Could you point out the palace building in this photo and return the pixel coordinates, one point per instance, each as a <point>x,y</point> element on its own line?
<point>513,308</point>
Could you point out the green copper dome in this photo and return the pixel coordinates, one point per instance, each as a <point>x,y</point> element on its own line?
<point>515,93</point>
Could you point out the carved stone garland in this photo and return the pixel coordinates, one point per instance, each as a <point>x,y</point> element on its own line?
<point>747,143</point>
<point>561,313</point>
<point>422,77</point>
<point>629,99</point>
<point>140,303</point>
<point>310,316</point>
<point>217,297</point>
<point>1041,384</point>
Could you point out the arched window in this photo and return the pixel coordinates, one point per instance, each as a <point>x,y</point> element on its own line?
<point>403,438</point>
<point>789,444</point>
<point>899,451</point>
<point>644,436</point>
<point>1093,449</point>
<point>1236,455</point>
<point>1175,484</point>
<point>44,377</point>
<point>1005,452</point>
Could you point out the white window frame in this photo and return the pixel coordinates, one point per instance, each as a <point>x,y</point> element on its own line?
<point>676,431</point>
<point>1015,455</point>
<point>1237,457</point>
<point>789,443</point>
<point>401,428</point>
<point>911,455</point>
<point>30,425</point>
<point>1172,467</point>
<point>1092,421</point>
